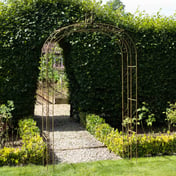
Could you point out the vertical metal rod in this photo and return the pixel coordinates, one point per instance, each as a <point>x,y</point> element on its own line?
<point>122,79</point>
<point>136,62</point>
<point>53,158</point>
<point>53,102</point>
<point>122,61</point>
<point>42,91</point>
<point>128,94</point>
<point>136,83</point>
<point>47,109</point>
<point>131,96</point>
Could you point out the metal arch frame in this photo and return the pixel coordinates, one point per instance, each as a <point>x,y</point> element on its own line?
<point>129,70</point>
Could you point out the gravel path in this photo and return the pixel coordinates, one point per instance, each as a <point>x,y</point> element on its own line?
<point>72,143</point>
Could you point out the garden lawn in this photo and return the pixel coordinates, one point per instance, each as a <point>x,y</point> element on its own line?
<point>154,166</point>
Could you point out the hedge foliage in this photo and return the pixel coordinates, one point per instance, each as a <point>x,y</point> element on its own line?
<point>95,85</point>
<point>156,46</point>
<point>92,61</point>
<point>120,144</point>
<point>25,25</point>
<point>32,150</point>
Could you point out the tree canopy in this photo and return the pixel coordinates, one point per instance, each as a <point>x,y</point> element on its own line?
<point>115,4</point>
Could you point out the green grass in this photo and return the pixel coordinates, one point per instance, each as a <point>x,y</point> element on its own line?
<point>154,166</point>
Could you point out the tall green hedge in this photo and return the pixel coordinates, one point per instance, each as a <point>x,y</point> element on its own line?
<point>156,44</point>
<point>93,65</point>
<point>96,77</point>
<point>25,25</point>
<point>92,61</point>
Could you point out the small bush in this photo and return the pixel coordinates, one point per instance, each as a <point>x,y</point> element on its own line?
<point>102,131</point>
<point>32,150</point>
<point>171,115</point>
<point>5,121</point>
<point>82,116</point>
<point>33,145</point>
<point>92,121</point>
<point>28,128</point>
<point>10,156</point>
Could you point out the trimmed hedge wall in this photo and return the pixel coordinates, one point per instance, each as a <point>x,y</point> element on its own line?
<point>156,46</point>
<point>93,66</point>
<point>147,145</point>
<point>95,85</point>
<point>25,25</point>
<point>92,61</point>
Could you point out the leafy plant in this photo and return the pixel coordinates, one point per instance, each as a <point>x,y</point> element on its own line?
<point>5,110</point>
<point>10,156</point>
<point>5,121</point>
<point>28,128</point>
<point>171,115</point>
<point>47,70</point>
<point>127,121</point>
<point>92,121</point>
<point>102,132</point>
<point>146,115</point>
<point>33,147</point>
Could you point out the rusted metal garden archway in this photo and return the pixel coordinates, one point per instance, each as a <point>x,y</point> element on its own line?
<point>128,72</point>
